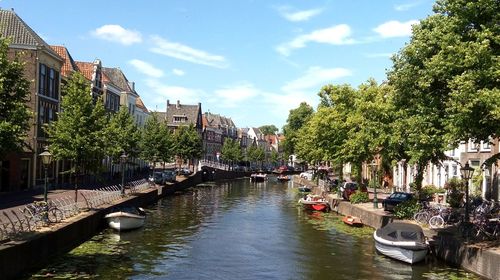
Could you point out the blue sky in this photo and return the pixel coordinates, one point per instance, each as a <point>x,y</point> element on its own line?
<point>250,60</point>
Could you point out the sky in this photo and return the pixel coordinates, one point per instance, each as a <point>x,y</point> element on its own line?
<point>249,60</point>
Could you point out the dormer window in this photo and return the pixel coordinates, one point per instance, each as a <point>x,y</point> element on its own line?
<point>180,119</point>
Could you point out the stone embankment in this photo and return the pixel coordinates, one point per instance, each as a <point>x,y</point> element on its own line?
<point>34,251</point>
<point>446,244</point>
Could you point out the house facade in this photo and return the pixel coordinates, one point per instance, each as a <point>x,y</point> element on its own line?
<point>20,171</point>
<point>177,115</point>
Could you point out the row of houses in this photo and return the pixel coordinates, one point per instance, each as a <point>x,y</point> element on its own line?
<point>48,68</point>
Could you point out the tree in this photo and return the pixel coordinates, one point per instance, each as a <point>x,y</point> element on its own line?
<point>156,140</point>
<point>268,129</point>
<point>296,119</point>
<point>231,150</point>
<point>446,81</point>
<point>79,132</point>
<point>188,143</point>
<point>14,93</point>
<point>256,154</point>
<point>122,135</point>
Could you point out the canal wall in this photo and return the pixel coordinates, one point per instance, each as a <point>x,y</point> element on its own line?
<point>35,251</point>
<point>478,258</point>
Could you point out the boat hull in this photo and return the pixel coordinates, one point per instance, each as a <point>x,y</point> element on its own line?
<point>408,252</point>
<point>124,221</point>
<point>314,205</point>
<point>352,221</point>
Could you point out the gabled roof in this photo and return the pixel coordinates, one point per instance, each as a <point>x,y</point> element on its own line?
<point>13,27</point>
<point>139,104</point>
<point>69,65</point>
<point>117,77</point>
<point>86,68</point>
<point>191,112</point>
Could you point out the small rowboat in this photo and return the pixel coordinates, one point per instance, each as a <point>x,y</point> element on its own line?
<point>314,202</point>
<point>352,221</point>
<point>126,218</point>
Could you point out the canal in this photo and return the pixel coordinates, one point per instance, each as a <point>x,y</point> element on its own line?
<point>238,230</point>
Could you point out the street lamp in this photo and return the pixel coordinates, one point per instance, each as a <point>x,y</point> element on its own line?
<point>123,160</point>
<point>46,160</point>
<point>373,167</point>
<point>154,164</point>
<point>466,173</point>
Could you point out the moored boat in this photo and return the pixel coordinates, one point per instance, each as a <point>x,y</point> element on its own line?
<point>126,218</point>
<point>402,241</point>
<point>314,202</point>
<point>258,177</point>
<point>283,178</point>
<point>352,221</point>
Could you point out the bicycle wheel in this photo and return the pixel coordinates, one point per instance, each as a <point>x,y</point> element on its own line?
<point>436,222</point>
<point>55,215</point>
<point>421,217</point>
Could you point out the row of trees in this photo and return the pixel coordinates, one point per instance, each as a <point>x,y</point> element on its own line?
<point>443,88</point>
<point>231,151</point>
<point>85,133</point>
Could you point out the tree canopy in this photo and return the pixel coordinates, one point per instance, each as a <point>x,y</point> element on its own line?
<point>268,129</point>
<point>231,150</point>
<point>122,135</point>
<point>296,119</point>
<point>156,140</point>
<point>14,93</point>
<point>188,143</point>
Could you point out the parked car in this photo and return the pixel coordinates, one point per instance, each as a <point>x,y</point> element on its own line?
<point>308,175</point>
<point>183,171</point>
<point>157,178</point>
<point>169,175</point>
<point>394,199</point>
<point>348,188</point>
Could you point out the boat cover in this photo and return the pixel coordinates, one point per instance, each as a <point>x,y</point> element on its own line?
<point>401,232</point>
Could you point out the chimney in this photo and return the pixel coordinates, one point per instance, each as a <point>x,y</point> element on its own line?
<point>178,104</point>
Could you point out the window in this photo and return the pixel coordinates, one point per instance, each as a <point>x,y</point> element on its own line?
<point>485,146</point>
<point>180,119</point>
<point>472,146</point>
<point>48,82</point>
<point>42,80</point>
<point>455,170</point>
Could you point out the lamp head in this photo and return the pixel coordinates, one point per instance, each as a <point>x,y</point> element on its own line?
<point>46,156</point>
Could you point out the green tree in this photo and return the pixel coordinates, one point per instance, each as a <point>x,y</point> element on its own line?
<point>256,154</point>
<point>188,143</point>
<point>268,129</point>
<point>156,140</point>
<point>122,135</point>
<point>296,119</point>
<point>14,93</point>
<point>231,150</point>
<point>446,81</point>
<point>79,132</point>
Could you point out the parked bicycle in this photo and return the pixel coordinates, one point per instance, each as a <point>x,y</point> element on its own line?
<point>44,212</point>
<point>444,216</point>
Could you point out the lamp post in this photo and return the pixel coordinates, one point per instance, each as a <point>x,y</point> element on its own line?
<point>466,173</point>
<point>154,164</point>
<point>46,160</point>
<point>123,160</point>
<point>373,166</point>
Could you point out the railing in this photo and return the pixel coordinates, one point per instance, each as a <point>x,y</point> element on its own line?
<point>214,164</point>
<point>17,225</point>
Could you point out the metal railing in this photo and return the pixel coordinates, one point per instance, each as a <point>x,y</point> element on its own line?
<point>17,224</point>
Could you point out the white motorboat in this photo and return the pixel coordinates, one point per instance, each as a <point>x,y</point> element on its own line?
<point>126,218</point>
<point>402,241</point>
<point>314,202</point>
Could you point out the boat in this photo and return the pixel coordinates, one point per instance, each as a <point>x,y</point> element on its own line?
<point>126,218</point>
<point>402,241</point>
<point>352,221</point>
<point>283,178</point>
<point>314,202</point>
<point>258,177</point>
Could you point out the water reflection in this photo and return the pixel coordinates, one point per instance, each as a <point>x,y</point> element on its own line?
<point>237,229</point>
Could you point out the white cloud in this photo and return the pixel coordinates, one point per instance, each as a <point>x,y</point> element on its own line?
<point>335,35</point>
<point>146,68</point>
<point>298,15</point>
<point>178,72</point>
<point>183,52</point>
<point>406,7</point>
<point>173,93</point>
<point>232,96</point>
<point>116,33</point>
<point>395,28</point>
<point>315,78</point>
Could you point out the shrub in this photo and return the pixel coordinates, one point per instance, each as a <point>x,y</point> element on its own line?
<point>455,192</point>
<point>358,197</point>
<point>407,209</point>
<point>428,192</point>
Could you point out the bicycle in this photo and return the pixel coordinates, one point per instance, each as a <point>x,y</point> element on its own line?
<point>444,216</point>
<point>41,211</point>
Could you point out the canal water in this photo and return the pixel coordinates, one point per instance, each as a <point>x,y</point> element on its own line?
<point>238,230</point>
